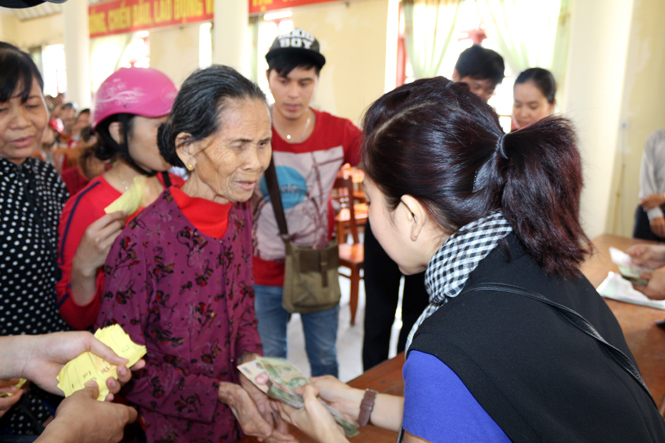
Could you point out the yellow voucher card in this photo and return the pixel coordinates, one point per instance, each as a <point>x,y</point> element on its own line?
<point>21,382</point>
<point>88,366</point>
<point>131,200</point>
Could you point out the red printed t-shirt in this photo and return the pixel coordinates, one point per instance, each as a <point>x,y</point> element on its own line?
<point>74,180</point>
<point>306,173</point>
<point>79,212</point>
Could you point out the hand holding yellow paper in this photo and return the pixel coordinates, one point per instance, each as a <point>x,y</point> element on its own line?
<point>88,366</point>
<point>131,200</point>
<point>21,382</point>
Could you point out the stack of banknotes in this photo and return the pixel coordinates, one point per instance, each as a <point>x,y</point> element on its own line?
<point>278,379</point>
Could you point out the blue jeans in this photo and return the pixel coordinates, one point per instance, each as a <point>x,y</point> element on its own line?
<point>320,330</point>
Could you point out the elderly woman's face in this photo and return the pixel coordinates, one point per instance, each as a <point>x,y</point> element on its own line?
<point>22,124</point>
<point>229,164</point>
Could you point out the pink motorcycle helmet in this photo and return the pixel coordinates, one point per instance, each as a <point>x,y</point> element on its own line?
<point>146,92</point>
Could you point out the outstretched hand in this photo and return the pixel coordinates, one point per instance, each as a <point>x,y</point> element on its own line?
<point>81,418</point>
<point>46,355</point>
<point>655,288</point>
<point>650,256</point>
<point>269,411</point>
<point>252,420</point>
<point>340,396</point>
<point>313,419</point>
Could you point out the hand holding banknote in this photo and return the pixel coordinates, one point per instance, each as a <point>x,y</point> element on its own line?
<point>650,256</point>
<point>282,381</point>
<point>257,414</point>
<point>313,418</point>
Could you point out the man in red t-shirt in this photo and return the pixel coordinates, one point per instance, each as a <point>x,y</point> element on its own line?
<point>309,147</point>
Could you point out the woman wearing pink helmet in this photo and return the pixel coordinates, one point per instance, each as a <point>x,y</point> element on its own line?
<point>128,108</point>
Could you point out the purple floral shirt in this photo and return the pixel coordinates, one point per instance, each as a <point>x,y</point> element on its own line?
<point>189,298</point>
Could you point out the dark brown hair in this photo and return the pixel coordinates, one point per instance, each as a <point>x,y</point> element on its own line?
<point>542,79</point>
<point>436,141</point>
<point>17,70</point>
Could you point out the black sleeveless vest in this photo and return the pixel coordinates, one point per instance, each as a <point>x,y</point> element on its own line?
<point>540,378</point>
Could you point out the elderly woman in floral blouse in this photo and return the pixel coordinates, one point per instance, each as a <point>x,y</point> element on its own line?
<point>179,277</point>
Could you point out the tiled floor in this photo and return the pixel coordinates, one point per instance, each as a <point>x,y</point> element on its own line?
<point>349,338</point>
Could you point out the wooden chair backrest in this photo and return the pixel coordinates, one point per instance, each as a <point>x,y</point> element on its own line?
<point>343,188</point>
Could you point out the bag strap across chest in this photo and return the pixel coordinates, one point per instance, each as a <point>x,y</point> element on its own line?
<point>276,198</point>
<point>576,320</point>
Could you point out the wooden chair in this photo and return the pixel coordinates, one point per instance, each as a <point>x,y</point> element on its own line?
<point>351,255</point>
<point>342,219</point>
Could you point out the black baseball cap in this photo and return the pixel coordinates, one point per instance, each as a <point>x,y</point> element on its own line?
<point>296,41</point>
<point>20,4</point>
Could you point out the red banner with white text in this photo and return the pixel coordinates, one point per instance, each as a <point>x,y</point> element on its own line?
<point>120,16</point>
<point>261,6</point>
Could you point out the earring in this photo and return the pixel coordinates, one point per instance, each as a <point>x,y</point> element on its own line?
<point>190,167</point>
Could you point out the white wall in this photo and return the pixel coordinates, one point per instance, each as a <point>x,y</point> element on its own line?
<point>35,32</point>
<point>642,110</point>
<point>593,96</point>
<point>175,51</point>
<point>353,40</point>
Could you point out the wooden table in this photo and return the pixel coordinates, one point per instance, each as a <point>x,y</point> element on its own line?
<point>645,339</point>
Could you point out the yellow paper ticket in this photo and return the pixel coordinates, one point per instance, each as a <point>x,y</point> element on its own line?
<point>87,366</point>
<point>21,382</point>
<point>131,200</point>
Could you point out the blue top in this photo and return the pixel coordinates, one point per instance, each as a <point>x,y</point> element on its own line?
<point>438,407</point>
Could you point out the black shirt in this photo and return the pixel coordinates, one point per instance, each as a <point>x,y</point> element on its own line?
<point>32,196</point>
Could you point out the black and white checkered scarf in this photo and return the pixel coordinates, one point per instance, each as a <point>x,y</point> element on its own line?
<point>449,269</point>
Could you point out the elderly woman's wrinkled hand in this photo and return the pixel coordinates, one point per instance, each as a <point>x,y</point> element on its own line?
<point>255,420</point>
<point>269,410</point>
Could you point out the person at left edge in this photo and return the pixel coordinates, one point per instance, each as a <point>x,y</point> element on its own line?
<point>179,277</point>
<point>31,199</point>
<point>127,110</point>
<point>309,147</point>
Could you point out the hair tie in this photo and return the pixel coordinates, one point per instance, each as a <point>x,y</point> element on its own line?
<point>499,144</point>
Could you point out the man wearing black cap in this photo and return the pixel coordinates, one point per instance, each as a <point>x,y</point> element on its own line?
<point>309,147</point>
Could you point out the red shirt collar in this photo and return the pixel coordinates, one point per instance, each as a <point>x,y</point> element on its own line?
<point>211,218</point>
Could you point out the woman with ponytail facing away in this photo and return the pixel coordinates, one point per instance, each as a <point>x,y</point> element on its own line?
<point>515,345</point>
